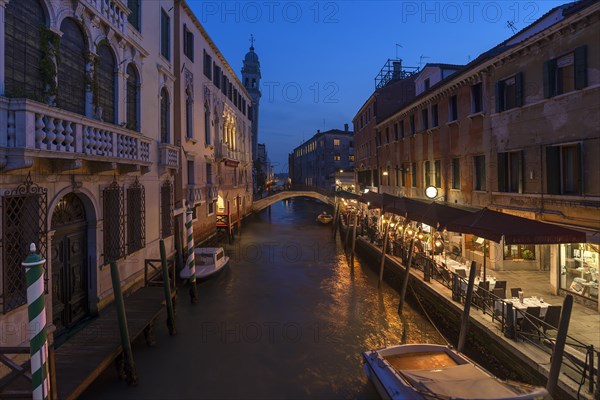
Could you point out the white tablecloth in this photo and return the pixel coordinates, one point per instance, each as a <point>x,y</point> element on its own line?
<point>522,307</point>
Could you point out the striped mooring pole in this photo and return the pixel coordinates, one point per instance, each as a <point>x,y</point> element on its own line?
<point>191,261</point>
<point>34,273</point>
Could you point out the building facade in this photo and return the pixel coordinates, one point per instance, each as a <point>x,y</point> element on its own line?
<point>316,161</point>
<point>214,128</point>
<point>516,131</point>
<point>395,86</point>
<point>94,161</point>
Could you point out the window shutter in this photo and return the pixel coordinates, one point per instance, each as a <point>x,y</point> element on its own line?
<point>185,42</point>
<point>502,163</point>
<point>581,67</point>
<point>553,169</point>
<point>580,165</point>
<point>521,171</point>
<point>499,96</point>
<point>549,76</point>
<point>519,89</point>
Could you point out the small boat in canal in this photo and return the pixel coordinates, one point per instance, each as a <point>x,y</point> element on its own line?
<point>209,261</point>
<point>431,371</point>
<point>324,218</point>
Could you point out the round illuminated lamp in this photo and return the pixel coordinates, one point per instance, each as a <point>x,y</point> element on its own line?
<point>431,192</point>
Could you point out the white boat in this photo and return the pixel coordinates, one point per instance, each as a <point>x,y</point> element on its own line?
<point>209,260</point>
<point>431,371</point>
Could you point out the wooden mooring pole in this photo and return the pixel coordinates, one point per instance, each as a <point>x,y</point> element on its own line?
<point>464,322</point>
<point>167,289</point>
<point>353,239</point>
<point>129,364</point>
<point>559,346</point>
<point>383,249</point>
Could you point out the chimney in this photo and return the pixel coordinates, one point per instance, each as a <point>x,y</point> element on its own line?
<point>346,127</point>
<point>397,69</point>
<point>318,131</point>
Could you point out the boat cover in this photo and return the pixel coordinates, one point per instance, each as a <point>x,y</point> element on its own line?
<point>462,381</point>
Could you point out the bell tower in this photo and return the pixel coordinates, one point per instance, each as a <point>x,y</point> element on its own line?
<point>251,80</point>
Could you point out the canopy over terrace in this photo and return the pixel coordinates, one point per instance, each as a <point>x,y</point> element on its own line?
<point>494,225</point>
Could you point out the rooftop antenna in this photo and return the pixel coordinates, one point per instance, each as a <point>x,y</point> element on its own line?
<point>421,58</point>
<point>511,26</point>
<point>252,41</point>
<point>397,45</point>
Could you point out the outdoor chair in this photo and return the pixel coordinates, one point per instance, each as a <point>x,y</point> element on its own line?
<point>514,292</point>
<point>552,318</point>
<point>500,285</point>
<point>499,293</point>
<point>530,321</point>
<point>480,297</point>
<point>462,273</point>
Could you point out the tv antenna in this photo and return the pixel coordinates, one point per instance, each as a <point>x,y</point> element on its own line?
<point>397,45</point>
<point>511,26</point>
<point>421,58</point>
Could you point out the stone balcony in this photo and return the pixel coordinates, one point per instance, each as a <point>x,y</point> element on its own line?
<point>194,195</point>
<point>168,157</point>
<point>114,12</point>
<point>30,130</point>
<point>212,192</point>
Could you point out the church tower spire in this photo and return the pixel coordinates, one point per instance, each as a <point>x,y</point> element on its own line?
<point>251,79</point>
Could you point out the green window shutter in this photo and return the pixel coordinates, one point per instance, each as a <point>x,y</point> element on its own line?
<point>499,96</point>
<point>580,165</point>
<point>549,76</point>
<point>502,167</point>
<point>521,171</point>
<point>519,89</point>
<point>580,67</point>
<point>553,169</point>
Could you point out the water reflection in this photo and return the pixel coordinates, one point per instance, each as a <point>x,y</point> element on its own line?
<point>289,318</point>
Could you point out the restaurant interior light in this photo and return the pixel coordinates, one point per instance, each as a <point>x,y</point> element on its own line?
<point>385,173</point>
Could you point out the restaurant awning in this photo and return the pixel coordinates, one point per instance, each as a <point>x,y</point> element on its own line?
<point>344,194</point>
<point>439,215</point>
<point>494,225</point>
<point>372,199</point>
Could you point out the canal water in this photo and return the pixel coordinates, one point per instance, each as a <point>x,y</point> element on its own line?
<point>288,318</point>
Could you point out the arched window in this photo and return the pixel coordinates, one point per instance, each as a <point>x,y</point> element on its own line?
<point>24,20</point>
<point>207,134</point>
<point>107,87</point>
<point>71,70</point>
<point>164,116</point>
<point>133,98</point>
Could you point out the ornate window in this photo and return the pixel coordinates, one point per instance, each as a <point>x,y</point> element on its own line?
<point>24,212</point>
<point>133,98</point>
<point>107,89</point>
<point>135,14</point>
<point>136,217</point>
<point>71,69</point>
<point>23,23</point>
<point>166,209</point>
<point>189,112</point>
<point>165,119</point>
<point>114,235</point>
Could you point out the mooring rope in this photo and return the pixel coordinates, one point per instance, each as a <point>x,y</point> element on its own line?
<point>428,317</point>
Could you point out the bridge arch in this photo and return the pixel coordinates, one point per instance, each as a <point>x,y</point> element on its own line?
<point>261,204</point>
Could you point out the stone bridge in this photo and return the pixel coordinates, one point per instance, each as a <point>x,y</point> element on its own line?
<point>263,203</point>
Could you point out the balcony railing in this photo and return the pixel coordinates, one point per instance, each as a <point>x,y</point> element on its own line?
<point>194,194</point>
<point>168,156</point>
<point>113,11</point>
<point>212,192</point>
<point>42,131</point>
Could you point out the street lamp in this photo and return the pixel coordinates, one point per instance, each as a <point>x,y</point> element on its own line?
<point>431,192</point>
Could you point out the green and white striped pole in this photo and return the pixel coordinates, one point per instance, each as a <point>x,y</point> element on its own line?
<point>191,261</point>
<point>34,273</point>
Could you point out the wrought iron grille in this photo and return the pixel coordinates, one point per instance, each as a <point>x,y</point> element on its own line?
<point>114,227</point>
<point>136,217</point>
<point>24,221</point>
<point>166,209</point>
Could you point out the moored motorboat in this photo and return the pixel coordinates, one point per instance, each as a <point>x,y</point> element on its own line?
<point>209,260</point>
<point>324,218</point>
<point>431,371</point>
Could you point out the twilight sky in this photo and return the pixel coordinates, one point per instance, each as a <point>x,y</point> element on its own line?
<point>319,59</point>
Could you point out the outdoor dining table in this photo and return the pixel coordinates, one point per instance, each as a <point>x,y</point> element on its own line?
<point>500,306</point>
<point>490,279</point>
<point>451,264</point>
